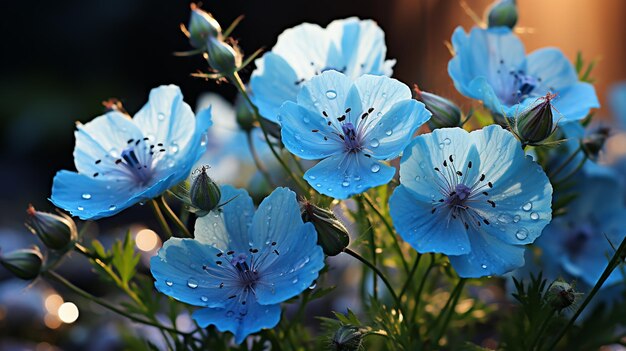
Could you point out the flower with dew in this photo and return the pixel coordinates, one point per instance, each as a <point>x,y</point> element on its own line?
<point>491,65</point>
<point>352,126</point>
<point>472,196</point>
<point>122,161</point>
<point>351,46</point>
<point>582,241</point>
<point>241,264</point>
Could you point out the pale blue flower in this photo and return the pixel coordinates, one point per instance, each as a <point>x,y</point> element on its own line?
<point>352,126</point>
<point>351,46</point>
<point>241,264</point>
<point>491,65</point>
<point>123,161</point>
<point>472,196</point>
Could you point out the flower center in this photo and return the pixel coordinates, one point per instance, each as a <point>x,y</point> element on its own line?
<point>459,195</point>
<point>350,135</point>
<point>576,242</point>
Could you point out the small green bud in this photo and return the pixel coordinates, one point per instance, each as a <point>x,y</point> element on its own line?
<point>24,263</point>
<point>332,235</point>
<point>503,13</point>
<point>55,232</point>
<point>202,26</point>
<point>561,295</point>
<point>535,124</point>
<point>593,144</point>
<point>245,117</point>
<point>222,57</point>
<point>204,193</point>
<point>445,113</point>
<point>347,338</point>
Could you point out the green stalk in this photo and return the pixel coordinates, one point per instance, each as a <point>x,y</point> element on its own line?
<point>159,216</point>
<point>565,163</point>
<point>410,277</point>
<point>418,295</point>
<point>448,309</point>
<point>172,216</point>
<point>257,161</point>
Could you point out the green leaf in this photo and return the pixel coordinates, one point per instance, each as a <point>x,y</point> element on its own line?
<point>125,259</point>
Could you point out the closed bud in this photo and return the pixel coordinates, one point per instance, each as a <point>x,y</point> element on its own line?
<point>222,57</point>
<point>204,193</point>
<point>535,124</point>
<point>503,13</point>
<point>24,264</point>
<point>56,232</point>
<point>561,295</point>
<point>445,113</point>
<point>594,142</point>
<point>245,117</point>
<point>202,26</point>
<point>347,338</point>
<point>332,235</point>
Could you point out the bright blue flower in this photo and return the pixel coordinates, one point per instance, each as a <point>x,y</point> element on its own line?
<point>351,46</point>
<point>472,196</point>
<point>491,65</point>
<point>351,126</point>
<point>241,264</point>
<point>123,161</point>
<point>580,241</point>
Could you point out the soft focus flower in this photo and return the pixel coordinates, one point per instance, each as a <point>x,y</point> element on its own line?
<point>202,26</point>
<point>490,65</point>
<point>123,161</point>
<point>351,126</point>
<point>24,263</point>
<point>502,13</point>
<point>580,241</point>
<point>472,196</point>
<point>351,46</point>
<point>241,264</point>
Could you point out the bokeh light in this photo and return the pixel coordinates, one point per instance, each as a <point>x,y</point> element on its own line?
<point>68,312</point>
<point>146,240</point>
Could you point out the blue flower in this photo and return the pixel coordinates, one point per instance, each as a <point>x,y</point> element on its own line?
<point>580,241</point>
<point>491,65</point>
<point>123,161</point>
<point>352,46</point>
<point>241,264</point>
<point>351,126</point>
<point>472,196</point>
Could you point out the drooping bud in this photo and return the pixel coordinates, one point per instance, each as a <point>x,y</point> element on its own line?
<point>594,142</point>
<point>222,57</point>
<point>535,124</point>
<point>245,117</point>
<point>347,338</point>
<point>561,295</point>
<point>332,235</point>
<point>56,232</point>
<point>203,192</point>
<point>503,13</point>
<point>24,264</point>
<point>202,26</point>
<point>445,113</point>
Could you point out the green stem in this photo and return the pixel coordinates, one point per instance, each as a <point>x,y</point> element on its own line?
<point>257,161</point>
<point>448,309</point>
<point>174,218</point>
<point>418,295</point>
<point>410,276</point>
<point>542,328</point>
<point>567,176</point>
<point>613,263</point>
<point>396,244</point>
<point>160,218</point>
<point>55,276</point>
<point>565,163</point>
<point>372,244</point>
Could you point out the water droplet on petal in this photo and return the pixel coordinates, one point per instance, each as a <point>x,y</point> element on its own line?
<point>418,178</point>
<point>379,114</point>
<point>204,298</point>
<point>375,143</point>
<point>527,206</point>
<point>521,234</point>
<point>389,132</point>
<point>318,185</point>
<point>295,280</point>
<point>441,145</point>
<point>312,286</point>
<point>345,183</point>
<point>504,218</point>
<point>483,266</point>
<point>534,216</point>
<point>331,94</point>
<point>192,283</point>
<point>112,208</point>
<point>312,177</point>
<point>174,148</point>
<point>80,208</point>
<point>422,165</point>
<point>230,314</point>
<point>447,141</point>
<point>375,168</point>
<point>169,283</point>
<point>306,120</point>
<point>160,116</point>
<point>86,196</point>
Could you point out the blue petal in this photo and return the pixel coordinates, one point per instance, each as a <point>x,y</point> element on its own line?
<point>326,92</point>
<point>380,93</point>
<point>241,320</point>
<point>574,102</point>
<point>482,90</point>
<point>297,133</point>
<point>272,83</point>
<point>617,102</point>
<point>552,68</point>
<point>390,136</point>
<point>341,176</point>
<point>189,271</point>
<point>424,231</point>
<point>227,228</point>
<point>488,256</point>
<point>306,48</point>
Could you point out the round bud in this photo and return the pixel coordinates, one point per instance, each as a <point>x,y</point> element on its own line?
<point>561,295</point>
<point>347,338</point>
<point>56,232</point>
<point>202,26</point>
<point>204,193</point>
<point>503,13</point>
<point>445,113</point>
<point>535,124</point>
<point>332,235</point>
<point>245,117</point>
<point>222,57</point>
<point>24,264</point>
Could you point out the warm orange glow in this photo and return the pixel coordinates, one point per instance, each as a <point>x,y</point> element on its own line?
<point>146,240</point>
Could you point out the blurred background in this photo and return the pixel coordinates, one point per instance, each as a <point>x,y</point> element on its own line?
<point>60,60</point>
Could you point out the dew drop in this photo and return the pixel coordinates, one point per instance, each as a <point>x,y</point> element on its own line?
<point>375,168</point>
<point>389,132</point>
<point>516,218</point>
<point>204,298</point>
<point>504,218</point>
<point>230,314</point>
<point>447,141</point>
<point>114,153</point>
<point>298,137</point>
<point>534,216</point>
<point>204,139</point>
<point>169,283</point>
<point>80,208</point>
<point>112,208</point>
<point>160,116</point>
<point>295,280</point>
<point>306,120</point>
<point>418,178</point>
<point>312,177</point>
<point>441,145</point>
<point>527,207</point>
<point>422,165</point>
<point>192,283</point>
<point>521,234</point>
<point>331,94</point>
<point>345,183</point>
<point>174,148</point>
<point>318,185</point>
<point>86,196</point>
<point>375,143</point>
<point>312,286</point>
<point>483,266</point>
<point>357,178</point>
<point>379,114</point>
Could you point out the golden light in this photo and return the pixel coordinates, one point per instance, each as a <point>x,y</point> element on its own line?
<point>51,321</point>
<point>53,302</point>
<point>146,240</point>
<point>68,312</point>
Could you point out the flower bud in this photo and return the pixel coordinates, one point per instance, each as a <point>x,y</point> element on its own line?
<point>347,338</point>
<point>535,124</point>
<point>503,13</point>
<point>202,26</point>
<point>445,113</point>
<point>55,232</point>
<point>561,295</point>
<point>222,57</point>
<point>593,144</point>
<point>24,264</point>
<point>204,193</point>
<point>245,117</point>
<point>332,235</point>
